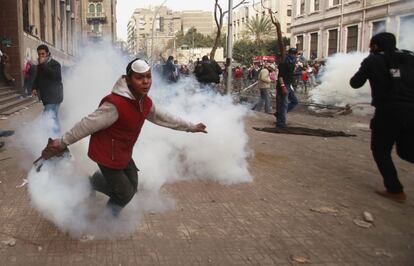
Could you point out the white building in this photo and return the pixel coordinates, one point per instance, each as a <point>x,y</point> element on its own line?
<point>244,13</point>
<point>324,27</point>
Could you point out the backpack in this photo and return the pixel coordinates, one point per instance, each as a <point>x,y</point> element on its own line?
<point>402,75</point>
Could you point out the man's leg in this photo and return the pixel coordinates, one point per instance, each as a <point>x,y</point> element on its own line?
<point>282,112</point>
<point>122,185</point>
<point>405,140</point>
<point>268,104</point>
<point>53,111</point>
<point>293,100</point>
<point>383,137</point>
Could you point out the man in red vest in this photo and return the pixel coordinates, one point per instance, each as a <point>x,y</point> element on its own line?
<point>114,128</point>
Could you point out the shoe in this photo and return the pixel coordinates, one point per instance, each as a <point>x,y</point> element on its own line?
<point>6,133</point>
<point>398,197</point>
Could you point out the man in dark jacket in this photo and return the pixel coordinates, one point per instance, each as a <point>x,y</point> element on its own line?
<point>287,99</point>
<point>48,85</point>
<point>393,121</point>
<point>208,71</point>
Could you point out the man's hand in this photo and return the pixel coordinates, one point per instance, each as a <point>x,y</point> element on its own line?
<point>200,127</point>
<point>42,60</point>
<point>55,147</point>
<point>34,93</point>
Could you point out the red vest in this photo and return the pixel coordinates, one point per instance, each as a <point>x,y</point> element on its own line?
<point>112,146</point>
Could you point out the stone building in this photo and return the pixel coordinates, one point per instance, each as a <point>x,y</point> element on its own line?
<point>98,20</point>
<point>322,28</point>
<point>244,13</point>
<point>150,29</point>
<point>201,20</point>
<point>24,24</point>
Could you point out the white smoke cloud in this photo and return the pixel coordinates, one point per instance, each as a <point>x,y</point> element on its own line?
<point>335,88</point>
<point>61,191</point>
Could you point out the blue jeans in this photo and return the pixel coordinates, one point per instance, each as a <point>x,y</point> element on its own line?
<point>287,103</point>
<point>52,110</point>
<point>264,100</point>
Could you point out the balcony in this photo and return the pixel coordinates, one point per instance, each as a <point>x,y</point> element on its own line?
<point>96,16</point>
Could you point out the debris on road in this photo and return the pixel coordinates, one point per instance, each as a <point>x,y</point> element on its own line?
<point>11,242</point>
<point>300,259</point>
<point>362,223</point>
<point>368,217</point>
<point>86,238</point>
<point>325,210</point>
<point>23,183</point>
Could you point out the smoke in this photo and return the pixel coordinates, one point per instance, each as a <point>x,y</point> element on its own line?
<point>61,191</point>
<point>335,88</point>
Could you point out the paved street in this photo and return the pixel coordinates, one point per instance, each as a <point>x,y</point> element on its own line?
<point>301,207</point>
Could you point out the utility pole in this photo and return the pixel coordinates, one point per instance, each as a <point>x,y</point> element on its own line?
<point>229,48</point>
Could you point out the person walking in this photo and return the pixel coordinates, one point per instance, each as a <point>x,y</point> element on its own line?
<point>114,128</point>
<point>264,84</point>
<point>391,75</point>
<point>48,85</point>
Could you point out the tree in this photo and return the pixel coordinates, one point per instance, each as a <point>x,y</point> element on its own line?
<point>218,18</point>
<point>244,51</point>
<point>191,38</point>
<point>281,44</point>
<point>259,27</point>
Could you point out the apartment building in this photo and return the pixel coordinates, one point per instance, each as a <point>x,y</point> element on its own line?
<point>150,29</point>
<point>98,21</point>
<point>243,14</point>
<point>203,21</point>
<point>24,24</point>
<point>322,28</point>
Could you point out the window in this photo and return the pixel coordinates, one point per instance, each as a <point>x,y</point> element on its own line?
<point>352,39</point>
<point>332,42</point>
<point>95,27</point>
<point>314,45</point>
<point>91,8</point>
<point>335,2</point>
<point>42,16</point>
<point>302,7</point>
<point>289,12</point>
<point>406,27</point>
<point>299,42</point>
<point>378,26</point>
<point>26,23</point>
<point>99,8</point>
<point>316,5</point>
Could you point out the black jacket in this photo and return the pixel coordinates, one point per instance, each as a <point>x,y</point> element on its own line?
<point>48,82</point>
<point>208,72</point>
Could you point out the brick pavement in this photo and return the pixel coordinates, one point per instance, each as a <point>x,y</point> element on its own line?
<point>265,222</point>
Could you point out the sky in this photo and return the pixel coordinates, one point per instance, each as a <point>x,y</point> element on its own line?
<point>125,8</point>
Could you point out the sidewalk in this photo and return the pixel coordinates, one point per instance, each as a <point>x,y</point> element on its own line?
<point>301,207</point>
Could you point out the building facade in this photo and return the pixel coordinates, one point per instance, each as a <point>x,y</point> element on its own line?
<point>98,21</point>
<point>322,28</point>
<point>243,14</point>
<point>25,24</point>
<point>150,29</point>
<point>201,20</point>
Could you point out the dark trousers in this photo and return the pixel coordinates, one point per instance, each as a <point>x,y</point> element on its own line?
<point>392,126</point>
<point>120,185</point>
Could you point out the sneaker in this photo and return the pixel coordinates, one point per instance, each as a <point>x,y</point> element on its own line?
<point>398,197</point>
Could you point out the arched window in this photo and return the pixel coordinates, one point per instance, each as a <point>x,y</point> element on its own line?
<point>91,8</point>
<point>98,8</point>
